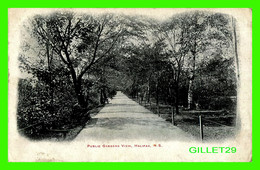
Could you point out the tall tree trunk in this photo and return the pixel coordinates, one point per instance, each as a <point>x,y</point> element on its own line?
<point>105,95</point>
<point>237,69</point>
<point>78,89</point>
<point>101,99</point>
<point>177,99</point>
<point>177,88</point>
<point>80,96</point>
<point>171,102</point>
<point>148,92</point>
<point>157,97</point>
<point>191,79</point>
<point>76,82</point>
<point>190,94</point>
<point>235,48</point>
<point>157,93</point>
<point>51,85</point>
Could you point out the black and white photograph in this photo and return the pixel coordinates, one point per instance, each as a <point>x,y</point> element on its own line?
<point>130,85</point>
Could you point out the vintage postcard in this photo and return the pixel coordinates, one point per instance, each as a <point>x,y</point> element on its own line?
<point>129,85</point>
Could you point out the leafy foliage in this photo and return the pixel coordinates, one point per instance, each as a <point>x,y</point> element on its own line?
<point>75,62</point>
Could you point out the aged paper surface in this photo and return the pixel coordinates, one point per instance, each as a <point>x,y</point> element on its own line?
<point>21,149</point>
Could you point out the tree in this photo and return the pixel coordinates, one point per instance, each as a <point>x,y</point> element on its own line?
<point>193,38</point>
<point>200,33</point>
<point>173,32</point>
<point>79,41</point>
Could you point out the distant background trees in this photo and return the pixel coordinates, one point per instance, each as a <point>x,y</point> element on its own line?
<point>187,61</point>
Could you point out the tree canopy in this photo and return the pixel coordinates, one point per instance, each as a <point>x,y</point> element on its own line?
<point>80,60</point>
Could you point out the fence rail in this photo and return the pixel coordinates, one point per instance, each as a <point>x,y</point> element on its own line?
<point>201,119</point>
<point>63,132</point>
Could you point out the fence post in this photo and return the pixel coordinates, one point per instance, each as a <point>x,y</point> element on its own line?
<point>201,128</point>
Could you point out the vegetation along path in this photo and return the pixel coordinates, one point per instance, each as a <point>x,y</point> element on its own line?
<point>123,118</point>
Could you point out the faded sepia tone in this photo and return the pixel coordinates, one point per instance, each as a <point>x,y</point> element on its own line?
<point>129,77</point>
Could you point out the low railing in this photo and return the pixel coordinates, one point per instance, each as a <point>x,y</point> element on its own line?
<point>199,117</point>
<point>39,127</point>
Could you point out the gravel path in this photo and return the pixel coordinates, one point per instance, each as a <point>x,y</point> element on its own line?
<point>125,119</point>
